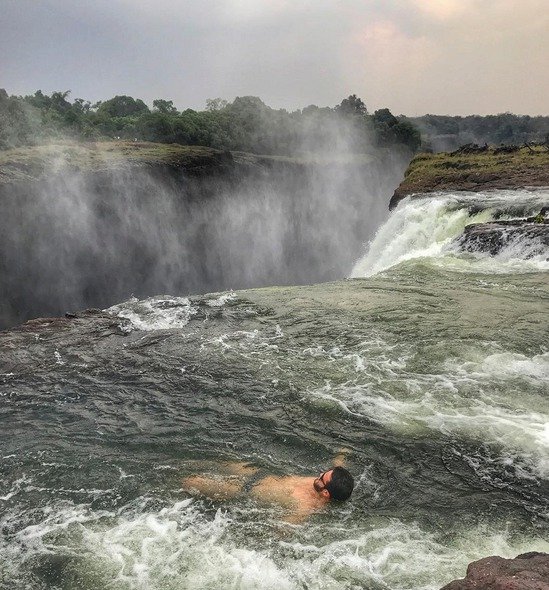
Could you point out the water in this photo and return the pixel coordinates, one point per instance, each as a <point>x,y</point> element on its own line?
<point>82,240</point>
<point>431,366</point>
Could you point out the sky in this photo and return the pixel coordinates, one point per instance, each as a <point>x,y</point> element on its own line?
<point>454,57</point>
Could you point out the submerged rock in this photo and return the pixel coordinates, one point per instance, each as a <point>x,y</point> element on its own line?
<point>530,236</point>
<point>529,571</point>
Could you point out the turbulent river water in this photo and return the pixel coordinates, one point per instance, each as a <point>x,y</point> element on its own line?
<point>430,365</point>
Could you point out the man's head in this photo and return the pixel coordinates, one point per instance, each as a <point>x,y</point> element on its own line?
<point>335,484</point>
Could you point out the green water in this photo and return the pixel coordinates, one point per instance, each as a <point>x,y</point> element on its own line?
<point>434,373</point>
<point>436,380</point>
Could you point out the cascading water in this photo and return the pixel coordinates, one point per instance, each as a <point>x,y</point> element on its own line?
<point>432,367</point>
<point>425,228</point>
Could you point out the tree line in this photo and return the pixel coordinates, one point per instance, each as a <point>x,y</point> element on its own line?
<point>446,133</point>
<point>245,124</point>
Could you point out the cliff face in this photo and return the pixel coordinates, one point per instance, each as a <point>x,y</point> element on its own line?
<point>475,170</point>
<point>90,225</point>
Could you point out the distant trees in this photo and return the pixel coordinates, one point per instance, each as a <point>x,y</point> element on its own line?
<point>122,106</point>
<point>353,105</point>
<point>391,130</point>
<point>164,106</point>
<point>444,133</point>
<point>245,124</point>
<point>248,124</point>
<point>216,104</point>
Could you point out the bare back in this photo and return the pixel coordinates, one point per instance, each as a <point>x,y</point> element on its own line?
<point>292,492</point>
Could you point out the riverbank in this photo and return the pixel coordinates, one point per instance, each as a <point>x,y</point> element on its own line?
<point>474,171</point>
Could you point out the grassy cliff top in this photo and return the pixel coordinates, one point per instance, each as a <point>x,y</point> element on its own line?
<point>38,162</point>
<point>488,169</point>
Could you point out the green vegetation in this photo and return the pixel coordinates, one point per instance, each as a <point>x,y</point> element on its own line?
<point>444,133</point>
<point>246,124</point>
<point>486,169</point>
<point>35,162</point>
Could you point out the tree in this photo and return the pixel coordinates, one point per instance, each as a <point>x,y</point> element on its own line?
<point>385,117</point>
<point>122,106</point>
<point>59,102</point>
<point>164,106</point>
<point>352,105</point>
<point>406,133</point>
<point>391,130</point>
<point>216,104</point>
<point>82,106</point>
<point>155,127</point>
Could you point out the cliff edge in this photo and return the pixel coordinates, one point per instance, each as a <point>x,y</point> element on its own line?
<point>475,168</point>
<point>36,163</point>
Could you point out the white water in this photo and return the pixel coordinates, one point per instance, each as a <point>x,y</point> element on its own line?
<point>485,395</point>
<point>155,313</point>
<point>424,228</point>
<point>181,546</point>
<point>493,396</point>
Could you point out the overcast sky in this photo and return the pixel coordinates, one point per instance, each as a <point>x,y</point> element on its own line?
<point>413,56</point>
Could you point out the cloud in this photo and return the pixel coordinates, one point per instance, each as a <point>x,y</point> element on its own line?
<point>445,9</point>
<point>413,56</point>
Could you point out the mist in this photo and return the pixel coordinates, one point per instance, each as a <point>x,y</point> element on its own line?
<point>80,239</point>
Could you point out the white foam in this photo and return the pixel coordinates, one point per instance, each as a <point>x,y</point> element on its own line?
<point>16,485</point>
<point>424,228</point>
<point>503,365</point>
<point>179,546</point>
<point>496,398</point>
<point>222,300</point>
<point>175,547</point>
<point>400,555</point>
<point>155,313</point>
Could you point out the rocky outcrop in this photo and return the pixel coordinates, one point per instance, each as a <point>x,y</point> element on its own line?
<point>529,571</point>
<point>474,169</point>
<point>492,237</point>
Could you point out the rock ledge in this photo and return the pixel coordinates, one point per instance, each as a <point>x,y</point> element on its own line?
<point>529,571</point>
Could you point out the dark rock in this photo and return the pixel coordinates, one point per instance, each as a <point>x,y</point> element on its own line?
<point>506,149</point>
<point>494,236</point>
<point>529,571</point>
<point>470,148</point>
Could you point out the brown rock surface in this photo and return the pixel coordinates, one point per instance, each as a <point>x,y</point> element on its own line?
<point>488,169</point>
<point>529,571</point>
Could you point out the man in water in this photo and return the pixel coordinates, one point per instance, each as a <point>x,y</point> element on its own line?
<point>298,495</point>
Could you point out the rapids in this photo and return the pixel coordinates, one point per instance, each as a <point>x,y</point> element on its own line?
<point>430,365</point>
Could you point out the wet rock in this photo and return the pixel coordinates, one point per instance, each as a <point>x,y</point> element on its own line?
<point>531,237</point>
<point>529,571</point>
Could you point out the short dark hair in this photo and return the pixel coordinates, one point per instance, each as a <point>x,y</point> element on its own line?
<point>341,485</point>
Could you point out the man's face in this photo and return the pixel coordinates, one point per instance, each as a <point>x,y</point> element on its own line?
<point>320,482</point>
